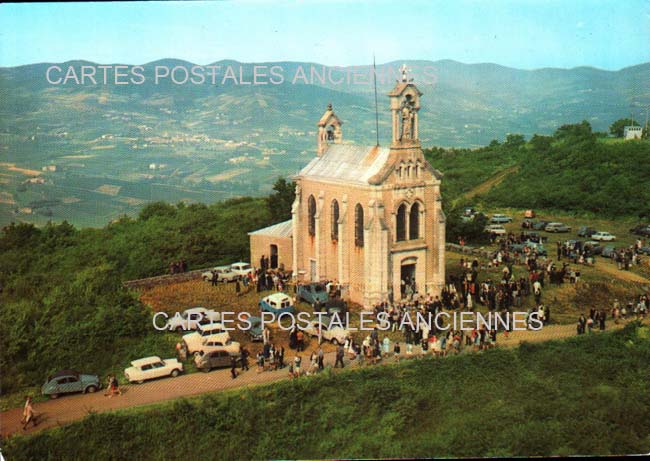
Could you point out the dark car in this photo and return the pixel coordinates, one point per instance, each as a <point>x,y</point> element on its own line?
<point>215,359</point>
<point>68,382</point>
<point>586,231</point>
<point>645,250</point>
<point>609,252</point>
<point>540,225</point>
<point>641,229</point>
<point>593,247</point>
<point>255,331</point>
<point>335,305</point>
<point>312,293</point>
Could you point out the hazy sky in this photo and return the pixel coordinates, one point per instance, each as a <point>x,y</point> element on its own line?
<point>608,34</point>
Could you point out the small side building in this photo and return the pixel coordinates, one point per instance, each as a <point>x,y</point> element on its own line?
<point>632,132</point>
<point>275,243</point>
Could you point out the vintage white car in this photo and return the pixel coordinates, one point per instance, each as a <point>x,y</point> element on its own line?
<point>333,333</point>
<point>151,368</point>
<point>497,229</point>
<point>241,268</point>
<point>218,342</point>
<point>603,237</point>
<point>190,319</point>
<point>224,274</point>
<point>194,341</point>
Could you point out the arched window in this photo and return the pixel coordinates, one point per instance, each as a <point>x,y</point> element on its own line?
<point>400,232</point>
<point>311,209</point>
<point>335,220</point>
<point>358,225</point>
<point>414,221</point>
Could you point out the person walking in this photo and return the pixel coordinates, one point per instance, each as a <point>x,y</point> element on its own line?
<point>233,366</point>
<point>340,353</point>
<point>321,358</point>
<point>244,359</point>
<point>28,414</point>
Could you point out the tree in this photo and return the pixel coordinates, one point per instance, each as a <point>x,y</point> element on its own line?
<point>541,144</point>
<point>279,204</point>
<point>619,125</point>
<point>515,141</point>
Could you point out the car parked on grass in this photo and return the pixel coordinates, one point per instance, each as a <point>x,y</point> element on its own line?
<point>497,229</point>
<point>277,303</point>
<point>215,359</point>
<point>593,246</point>
<point>68,382</point>
<point>641,229</point>
<point>312,293</point>
<point>241,268</point>
<point>335,306</point>
<point>608,252</point>
<point>190,319</point>
<point>557,227</point>
<point>540,225</point>
<point>329,332</point>
<point>151,368</point>
<point>223,273</point>
<point>586,231</point>
<point>219,342</point>
<point>500,219</point>
<point>603,237</point>
<point>645,250</point>
<point>193,341</point>
<point>255,331</point>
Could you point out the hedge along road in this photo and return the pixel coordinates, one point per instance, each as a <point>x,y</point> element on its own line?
<point>70,408</point>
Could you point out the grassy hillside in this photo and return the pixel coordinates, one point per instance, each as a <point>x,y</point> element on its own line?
<point>573,171</point>
<point>587,395</point>
<point>62,287</point>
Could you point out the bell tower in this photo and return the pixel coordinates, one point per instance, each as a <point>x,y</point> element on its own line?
<point>329,130</point>
<point>404,106</point>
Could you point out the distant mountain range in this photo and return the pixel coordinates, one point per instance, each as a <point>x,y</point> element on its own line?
<point>104,150</point>
<point>463,105</point>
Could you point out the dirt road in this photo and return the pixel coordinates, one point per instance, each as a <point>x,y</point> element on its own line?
<point>70,408</point>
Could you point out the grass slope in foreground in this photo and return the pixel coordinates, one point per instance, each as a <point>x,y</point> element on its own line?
<point>586,395</point>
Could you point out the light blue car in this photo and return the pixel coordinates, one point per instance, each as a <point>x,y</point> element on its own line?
<point>277,303</point>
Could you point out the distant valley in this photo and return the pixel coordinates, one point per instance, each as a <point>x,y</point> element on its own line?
<point>90,153</point>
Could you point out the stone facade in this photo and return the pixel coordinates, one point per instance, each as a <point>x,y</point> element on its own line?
<point>368,217</point>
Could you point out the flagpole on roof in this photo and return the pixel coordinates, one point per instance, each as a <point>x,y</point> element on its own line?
<point>374,73</point>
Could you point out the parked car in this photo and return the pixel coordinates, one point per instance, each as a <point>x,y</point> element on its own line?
<point>218,342</point>
<point>194,340</point>
<point>603,237</point>
<point>586,231</point>
<point>215,359</point>
<point>497,229</point>
<point>197,315</point>
<point>277,303</point>
<point>224,274</point>
<point>68,382</point>
<point>312,293</point>
<point>255,331</point>
<point>641,229</point>
<point>533,237</point>
<point>557,227</point>
<point>645,250</point>
<point>500,219</point>
<point>608,252</point>
<point>151,368</point>
<point>593,246</point>
<point>241,268</point>
<point>540,225</point>
<point>335,305</point>
<point>333,333</point>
